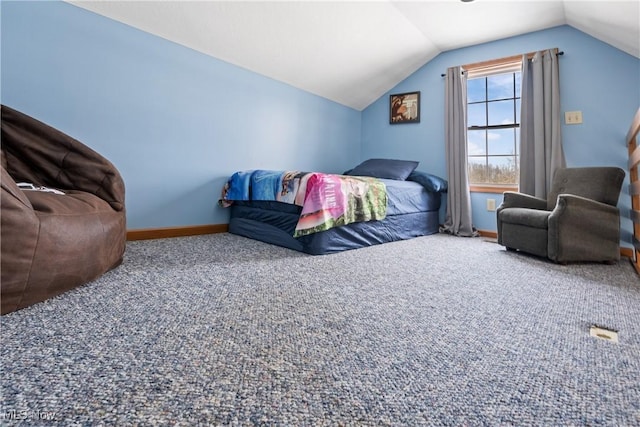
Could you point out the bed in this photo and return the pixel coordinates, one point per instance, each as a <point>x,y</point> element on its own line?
<point>386,200</point>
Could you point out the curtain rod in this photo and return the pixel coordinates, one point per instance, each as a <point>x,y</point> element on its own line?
<point>515,57</point>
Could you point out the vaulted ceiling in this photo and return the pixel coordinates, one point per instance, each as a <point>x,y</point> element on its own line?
<point>352,52</point>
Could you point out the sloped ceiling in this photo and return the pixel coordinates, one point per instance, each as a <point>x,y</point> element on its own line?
<point>354,52</point>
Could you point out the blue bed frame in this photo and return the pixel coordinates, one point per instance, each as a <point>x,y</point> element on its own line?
<point>412,212</point>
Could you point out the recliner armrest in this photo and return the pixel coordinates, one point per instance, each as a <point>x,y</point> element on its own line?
<point>581,205</point>
<point>583,229</point>
<point>514,199</point>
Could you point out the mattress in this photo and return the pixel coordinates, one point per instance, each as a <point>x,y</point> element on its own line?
<point>412,211</point>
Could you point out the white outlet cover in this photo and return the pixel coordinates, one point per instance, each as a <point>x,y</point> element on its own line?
<point>573,117</point>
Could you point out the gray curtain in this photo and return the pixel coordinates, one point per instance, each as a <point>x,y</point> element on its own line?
<point>458,219</point>
<point>540,136</point>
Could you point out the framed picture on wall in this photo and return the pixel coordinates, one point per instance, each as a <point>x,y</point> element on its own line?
<point>404,108</point>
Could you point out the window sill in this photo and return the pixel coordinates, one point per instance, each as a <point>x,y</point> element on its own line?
<point>498,189</point>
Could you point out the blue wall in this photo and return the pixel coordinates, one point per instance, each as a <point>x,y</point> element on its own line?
<point>175,122</point>
<point>595,78</point>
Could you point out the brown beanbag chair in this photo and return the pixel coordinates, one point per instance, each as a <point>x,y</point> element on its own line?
<point>68,233</point>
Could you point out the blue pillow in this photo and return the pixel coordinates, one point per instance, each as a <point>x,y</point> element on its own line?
<point>428,181</point>
<point>384,168</point>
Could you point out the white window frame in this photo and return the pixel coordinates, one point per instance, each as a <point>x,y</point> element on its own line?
<point>485,69</point>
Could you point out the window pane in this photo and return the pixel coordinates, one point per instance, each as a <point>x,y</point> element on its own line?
<point>501,112</point>
<point>499,170</point>
<point>477,115</point>
<point>500,86</point>
<point>477,170</point>
<point>518,111</point>
<point>502,170</point>
<point>501,141</point>
<point>517,142</point>
<point>476,142</point>
<point>518,85</point>
<point>476,89</point>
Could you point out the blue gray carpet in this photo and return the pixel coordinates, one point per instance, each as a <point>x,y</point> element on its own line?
<point>223,330</point>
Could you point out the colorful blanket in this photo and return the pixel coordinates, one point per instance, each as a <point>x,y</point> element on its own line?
<point>327,200</point>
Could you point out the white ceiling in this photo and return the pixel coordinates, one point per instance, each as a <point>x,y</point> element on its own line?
<point>352,52</point>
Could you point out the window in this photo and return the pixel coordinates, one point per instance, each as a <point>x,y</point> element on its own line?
<point>493,120</point>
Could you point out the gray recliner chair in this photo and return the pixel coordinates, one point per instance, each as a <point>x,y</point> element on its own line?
<point>578,222</point>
